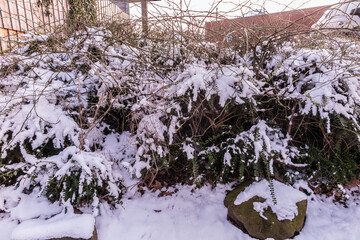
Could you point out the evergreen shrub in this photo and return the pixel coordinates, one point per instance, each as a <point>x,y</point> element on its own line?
<point>79,114</point>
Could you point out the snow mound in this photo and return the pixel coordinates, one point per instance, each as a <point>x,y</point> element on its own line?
<point>62,225</point>
<point>286,199</point>
<point>32,207</point>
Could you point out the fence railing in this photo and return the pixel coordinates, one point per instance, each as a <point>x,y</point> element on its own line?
<point>21,16</point>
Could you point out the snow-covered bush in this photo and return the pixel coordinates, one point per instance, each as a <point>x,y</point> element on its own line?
<point>76,114</point>
<point>315,91</point>
<point>281,106</point>
<point>53,132</point>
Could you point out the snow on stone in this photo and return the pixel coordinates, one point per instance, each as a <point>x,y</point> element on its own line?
<point>62,225</point>
<point>7,226</point>
<point>31,206</point>
<point>286,197</point>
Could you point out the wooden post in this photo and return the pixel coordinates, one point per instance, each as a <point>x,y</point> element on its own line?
<point>26,19</point>
<point>144,15</point>
<point>18,15</point>
<point>11,23</point>
<point>1,38</point>
<point>32,15</point>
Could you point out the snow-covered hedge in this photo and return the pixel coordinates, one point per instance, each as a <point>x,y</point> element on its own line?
<point>76,115</point>
<point>53,132</point>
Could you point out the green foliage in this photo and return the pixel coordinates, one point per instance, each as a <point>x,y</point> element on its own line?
<point>81,13</point>
<point>8,176</point>
<point>46,4</point>
<point>9,170</point>
<point>47,149</point>
<point>70,187</point>
<point>333,158</point>
<point>340,167</point>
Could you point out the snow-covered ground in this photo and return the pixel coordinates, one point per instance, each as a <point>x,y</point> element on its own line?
<point>187,214</point>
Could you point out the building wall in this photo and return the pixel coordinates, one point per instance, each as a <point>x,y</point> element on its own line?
<point>20,16</point>
<point>295,21</point>
<point>109,10</point>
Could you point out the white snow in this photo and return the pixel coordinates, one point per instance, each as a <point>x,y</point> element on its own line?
<point>185,215</point>
<point>34,207</point>
<point>227,158</point>
<point>6,227</point>
<point>182,216</point>
<point>189,150</point>
<point>202,215</point>
<point>62,225</point>
<point>326,220</point>
<point>286,198</point>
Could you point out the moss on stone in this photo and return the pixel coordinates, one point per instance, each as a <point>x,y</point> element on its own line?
<point>232,195</point>
<point>245,216</point>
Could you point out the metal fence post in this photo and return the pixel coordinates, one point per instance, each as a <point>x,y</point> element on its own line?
<point>144,14</point>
